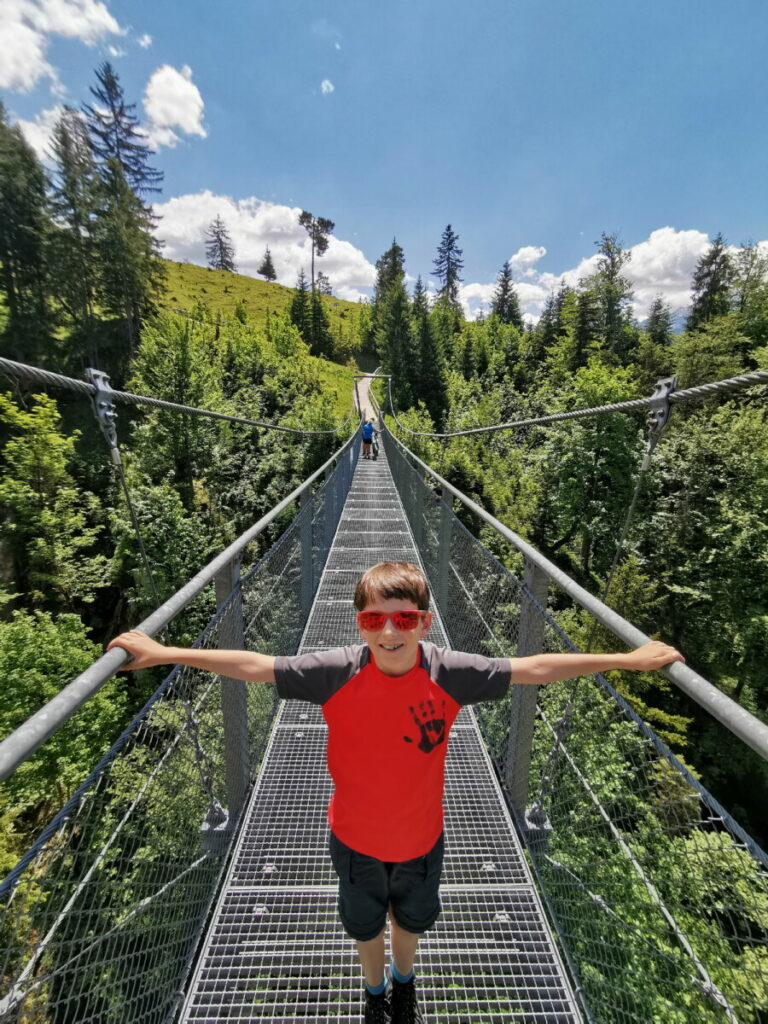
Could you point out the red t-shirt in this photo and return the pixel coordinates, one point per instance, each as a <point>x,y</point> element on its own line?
<point>387,738</point>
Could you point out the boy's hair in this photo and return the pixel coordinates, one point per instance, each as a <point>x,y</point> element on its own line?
<point>392,580</point>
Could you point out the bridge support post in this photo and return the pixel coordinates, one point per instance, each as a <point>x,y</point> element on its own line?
<point>444,556</point>
<point>234,700</point>
<point>307,559</point>
<point>331,491</point>
<point>416,510</point>
<point>523,698</point>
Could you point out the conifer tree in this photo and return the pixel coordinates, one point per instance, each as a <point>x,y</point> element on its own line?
<point>320,340</point>
<point>506,304</point>
<point>588,332</point>
<point>23,238</point>
<point>429,369</point>
<point>658,326</point>
<point>267,267</point>
<point>448,266</point>
<point>711,285</point>
<point>390,270</point>
<point>219,250</point>
<point>395,342</point>
<point>323,284</point>
<point>74,204</point>
<point>115,133</point>
<point>130,272</point>
<point>299,311</point>
<point>614,293</point>
<point>318,229</point>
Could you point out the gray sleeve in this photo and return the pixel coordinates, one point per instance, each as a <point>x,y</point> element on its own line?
<point>468,678</point>
<point>316,677</point>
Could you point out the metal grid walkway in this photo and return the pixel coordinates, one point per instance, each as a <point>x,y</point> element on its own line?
<point>276,951</point>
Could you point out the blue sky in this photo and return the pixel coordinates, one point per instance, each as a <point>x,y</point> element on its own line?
<point>530,128</point>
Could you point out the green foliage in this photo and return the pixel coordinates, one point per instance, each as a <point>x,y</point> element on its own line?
<point>39,654</point>
<point>50,525</point>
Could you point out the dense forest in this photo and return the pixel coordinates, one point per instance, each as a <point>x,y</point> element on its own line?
<point>82,283</point>
<point>694,569</point>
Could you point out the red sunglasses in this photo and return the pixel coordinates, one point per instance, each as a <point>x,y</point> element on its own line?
<point>374,621</point>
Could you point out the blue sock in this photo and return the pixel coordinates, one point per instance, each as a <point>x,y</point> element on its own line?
<point>402,978</point>
<point>378,989</point>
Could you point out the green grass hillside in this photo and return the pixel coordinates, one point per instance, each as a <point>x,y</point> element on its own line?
<point>188,284</point>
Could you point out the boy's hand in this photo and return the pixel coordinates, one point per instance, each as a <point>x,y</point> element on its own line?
<point>651,656</point>
<point>144,652</point>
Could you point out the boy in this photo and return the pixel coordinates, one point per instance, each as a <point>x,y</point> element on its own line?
<point>389,704</point>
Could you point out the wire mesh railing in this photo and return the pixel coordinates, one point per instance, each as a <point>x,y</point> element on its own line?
<point>659,897</point>
<point>101,918</point>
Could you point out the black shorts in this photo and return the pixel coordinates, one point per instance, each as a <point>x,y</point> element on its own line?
<point>368,886</point>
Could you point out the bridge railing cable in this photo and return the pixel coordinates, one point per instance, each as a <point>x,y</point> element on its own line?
<point>726,386</point>
<point>659,896</point>
<point>101,917</point>
<point>46,378</point>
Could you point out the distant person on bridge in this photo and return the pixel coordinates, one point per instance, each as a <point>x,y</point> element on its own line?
<point>389,704</point>
<point>368,432</point>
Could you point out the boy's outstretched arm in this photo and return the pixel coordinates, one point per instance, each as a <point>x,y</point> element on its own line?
<point>549,668</point>
<point>145,653</point>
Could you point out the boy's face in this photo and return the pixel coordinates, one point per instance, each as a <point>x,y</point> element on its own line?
<point>393,650</point>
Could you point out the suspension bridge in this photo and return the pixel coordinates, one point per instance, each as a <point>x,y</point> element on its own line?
<point>588,875</point>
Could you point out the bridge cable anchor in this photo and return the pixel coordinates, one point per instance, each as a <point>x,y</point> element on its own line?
<point>658,417</point>
<point>104,409</point>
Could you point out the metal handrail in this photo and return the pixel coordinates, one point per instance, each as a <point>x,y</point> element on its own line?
<point>24,740</point>
<point>733,716</point>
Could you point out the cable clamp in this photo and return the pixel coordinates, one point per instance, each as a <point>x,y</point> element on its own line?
<point>658,417</point>
<point>104,409</point>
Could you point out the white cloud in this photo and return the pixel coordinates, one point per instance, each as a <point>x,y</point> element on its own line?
<point>115,51</point>
<point>661,265</point>
<point>144,41</point>
<point>327,86</point>
<point>172,100</point>
<point>524,258</point>
<point>38,132</point>
<point>254,224</point>
<point>25,27</point>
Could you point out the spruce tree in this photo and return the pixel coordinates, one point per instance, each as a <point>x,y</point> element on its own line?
<point>658,326</point>
<point>711,285</point>
<point>130,270</point>
<point>299,311</point>
<point>131,274</point>
<point>429,370</point>
<point>506,304</point>
<point>115,133</point>
<point>267,267</point>
<point>589,326</point>
<point>320,340</point>
<point>395,340</point>
<point>24,229</point>
<point>219,250</point>
<point>318,229</point>
<point>614,294</point>
<point>323,284</point>
<point>448,266</point>
<point>74,204</point>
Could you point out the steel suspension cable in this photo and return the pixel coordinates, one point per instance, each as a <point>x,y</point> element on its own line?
<point>744,380</point>
<point>34,375</point>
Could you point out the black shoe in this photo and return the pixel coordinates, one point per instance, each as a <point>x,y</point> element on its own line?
<point>377,1008</point>
<point>405,1005</point>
